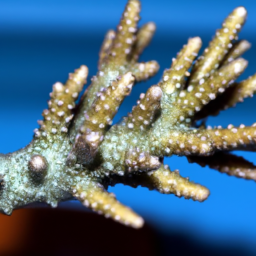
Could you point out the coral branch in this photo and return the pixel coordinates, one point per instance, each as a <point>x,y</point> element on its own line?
<point>232,138</point>
<point>166,182</point>
<point>143,114</point>
<point>143,71</point>
<point>99,117</point>
<point>106,46</point>
<point>237,50</point>
<point>227,163</point>
<point>202,141</point>
<point>99,200</point>
<point>217,83</point>
<point>174,78</point>
<point>144,37</point>
<point>181,142</point>
<point>125,38</point>
<point>122,49</point>
<point>63,97</point>
<point>215,53</point>
<point>237,92</point>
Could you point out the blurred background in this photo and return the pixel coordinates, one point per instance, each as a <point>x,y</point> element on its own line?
<point>40,43</point>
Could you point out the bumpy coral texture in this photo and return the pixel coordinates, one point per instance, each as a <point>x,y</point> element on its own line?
<point>77,153</point>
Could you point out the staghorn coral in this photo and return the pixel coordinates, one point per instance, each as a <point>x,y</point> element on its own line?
<point>77,153</point>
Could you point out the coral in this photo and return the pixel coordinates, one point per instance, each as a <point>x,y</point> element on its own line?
<point>77,152</point>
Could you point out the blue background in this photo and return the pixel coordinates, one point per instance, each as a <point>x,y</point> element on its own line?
<point>42,41</point>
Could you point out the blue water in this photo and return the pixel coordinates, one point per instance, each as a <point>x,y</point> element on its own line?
<point>42,41</point>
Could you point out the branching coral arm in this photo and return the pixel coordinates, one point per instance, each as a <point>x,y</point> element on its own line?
<point>106,46</point>
<point>126,35</point>
<point>122,49</point>
<point>144,37</point>
<point>217,83</point>
<point>195,97</point>
<point>94,196</point>
<point>203,141</point>
<point>227,163</point>
<point>216,51</point>
<point>144,70</point>
<point>60,113</point>
<point>166,182</point>
<point>237,92</point>
<point>142,116</point>
<point>237,50</point>
<point>233,138</point>
<point>174,78</point>
<point>99,118</point>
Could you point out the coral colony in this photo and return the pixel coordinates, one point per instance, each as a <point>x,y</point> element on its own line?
<point>76,153</point>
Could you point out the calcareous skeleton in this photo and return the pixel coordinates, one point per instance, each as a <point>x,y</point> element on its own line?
<point>76,152</point>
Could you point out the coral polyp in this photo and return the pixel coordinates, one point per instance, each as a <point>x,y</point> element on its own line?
<point>77,152</point>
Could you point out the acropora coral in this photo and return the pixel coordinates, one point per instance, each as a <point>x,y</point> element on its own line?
<point>77,153</point>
